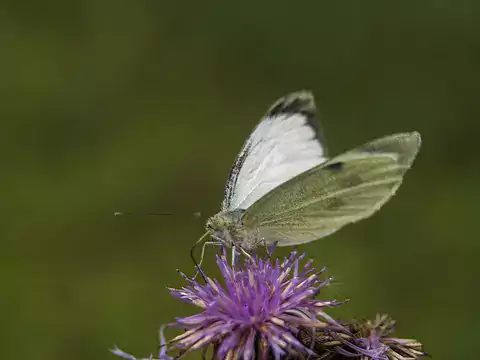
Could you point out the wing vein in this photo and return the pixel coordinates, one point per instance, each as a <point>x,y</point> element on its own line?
<point>372,184</point>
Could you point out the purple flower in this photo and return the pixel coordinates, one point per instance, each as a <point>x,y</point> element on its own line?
<point>366,340</point>
<point>267,310</point>
<point>161,353</point>
<point>258,311</point>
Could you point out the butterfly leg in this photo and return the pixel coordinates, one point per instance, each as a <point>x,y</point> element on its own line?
<point>195,245</point>
<point>234,256</point>
<point>199,265</point>
<point>270,249</point>
<point>244,252</point>
<point>235,253</point>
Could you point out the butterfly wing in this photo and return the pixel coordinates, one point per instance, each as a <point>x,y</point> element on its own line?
<point>286,142</point>
<point>343,190</point>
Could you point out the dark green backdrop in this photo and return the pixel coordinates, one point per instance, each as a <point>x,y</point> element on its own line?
<point>115,105</point>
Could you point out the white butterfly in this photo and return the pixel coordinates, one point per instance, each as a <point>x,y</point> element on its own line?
<point>283,189</point>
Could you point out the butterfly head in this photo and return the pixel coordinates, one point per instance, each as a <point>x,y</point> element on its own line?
<point>226,226</point>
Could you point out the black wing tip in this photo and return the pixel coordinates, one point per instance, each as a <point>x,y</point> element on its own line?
<point>298,102</point>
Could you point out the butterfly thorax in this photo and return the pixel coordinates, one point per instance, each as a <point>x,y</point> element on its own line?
<point>227,227</point>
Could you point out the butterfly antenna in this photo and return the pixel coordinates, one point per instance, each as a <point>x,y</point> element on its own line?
<point>196,214</point>
<point>118,213</point>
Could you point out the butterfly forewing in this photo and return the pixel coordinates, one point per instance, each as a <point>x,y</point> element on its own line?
<point>287,141</point>
<point>345,189</point>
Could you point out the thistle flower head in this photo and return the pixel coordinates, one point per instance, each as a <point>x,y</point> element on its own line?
<point>258,310</point>
<point>265,310</point>
<point>162,353</point>
<point>366,340</point>
<point>374,341</point>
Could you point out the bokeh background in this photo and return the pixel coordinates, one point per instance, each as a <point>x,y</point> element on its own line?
<point>142,106</point>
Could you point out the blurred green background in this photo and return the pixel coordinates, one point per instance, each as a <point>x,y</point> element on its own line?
<point>142,106</point>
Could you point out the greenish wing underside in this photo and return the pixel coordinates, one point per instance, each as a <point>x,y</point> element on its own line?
<point>345,189</point>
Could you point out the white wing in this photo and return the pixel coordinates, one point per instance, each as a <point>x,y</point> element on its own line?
<point>286,142</point>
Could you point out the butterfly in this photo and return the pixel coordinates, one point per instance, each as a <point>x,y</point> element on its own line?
<point>284,189</point>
